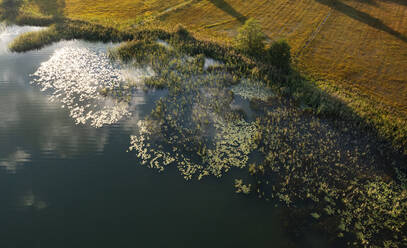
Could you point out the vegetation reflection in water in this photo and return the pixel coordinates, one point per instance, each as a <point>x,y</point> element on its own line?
<point>327,172</point>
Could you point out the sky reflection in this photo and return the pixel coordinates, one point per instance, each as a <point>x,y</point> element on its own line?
<point>14,160</point>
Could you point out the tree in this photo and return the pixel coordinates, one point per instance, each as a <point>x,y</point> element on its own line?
<point>279,55</point>
<point>251,38</point>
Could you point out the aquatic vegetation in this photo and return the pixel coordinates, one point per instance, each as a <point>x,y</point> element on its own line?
<point>241,188</point>
<point>376,208</point>
<point>194,127</point>
<point>306,162</point>
<point>299,158</point>
<point>250,90</point>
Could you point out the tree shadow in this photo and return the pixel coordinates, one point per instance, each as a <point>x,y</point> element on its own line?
<point>54,8</point>
<point>400,2</point>
<point>370,2</point>
<point>221,4</point>
<point>363,17</point>
<point>9,9</point>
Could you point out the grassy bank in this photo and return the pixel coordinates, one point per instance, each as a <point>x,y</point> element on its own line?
<point>67,30</point>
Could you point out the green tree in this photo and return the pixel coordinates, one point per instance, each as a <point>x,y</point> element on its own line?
<point>251,38</point>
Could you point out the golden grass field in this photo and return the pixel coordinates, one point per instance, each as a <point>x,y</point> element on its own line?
<point>362,43</point>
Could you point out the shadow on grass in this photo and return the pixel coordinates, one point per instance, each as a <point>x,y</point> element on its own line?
<point>400,2</point>
<point>221,4</point>
<point>363,17</point>
<point>55,8</point>
<point>9,9</point>
<point>370,2</point>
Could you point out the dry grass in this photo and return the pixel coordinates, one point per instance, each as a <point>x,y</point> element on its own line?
<point>362,43</point>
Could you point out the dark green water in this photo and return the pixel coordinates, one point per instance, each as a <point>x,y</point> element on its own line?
<point>67,185</point>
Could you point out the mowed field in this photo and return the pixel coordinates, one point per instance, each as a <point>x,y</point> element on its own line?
<point>356,43</point>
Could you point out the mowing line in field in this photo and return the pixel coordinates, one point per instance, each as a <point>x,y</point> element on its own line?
<point>314,34</point>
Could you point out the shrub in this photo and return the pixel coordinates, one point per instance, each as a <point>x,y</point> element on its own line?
<point>251,38</point>
<point>181,32</point>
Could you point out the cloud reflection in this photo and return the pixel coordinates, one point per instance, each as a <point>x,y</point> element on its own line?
<point>14,160</point>
<point>30,200</point>
<point>75,77</point>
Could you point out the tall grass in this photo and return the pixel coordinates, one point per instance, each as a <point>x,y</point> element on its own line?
<point>35,40</point>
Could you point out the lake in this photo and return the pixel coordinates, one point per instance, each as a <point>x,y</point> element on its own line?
<point>64,184</point>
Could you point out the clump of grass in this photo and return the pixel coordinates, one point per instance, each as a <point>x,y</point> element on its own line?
<point>35,40</point>
<point>67,30</point>
<point>138,50</point>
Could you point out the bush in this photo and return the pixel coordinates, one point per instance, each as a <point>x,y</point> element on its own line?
<point>251,38</point>
<point>279,56</point>
<point>181,32</point>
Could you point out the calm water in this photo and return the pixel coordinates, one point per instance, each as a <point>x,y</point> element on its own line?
<point>68,185</point>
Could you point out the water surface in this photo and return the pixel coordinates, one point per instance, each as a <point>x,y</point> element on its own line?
<point>64,184</point>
